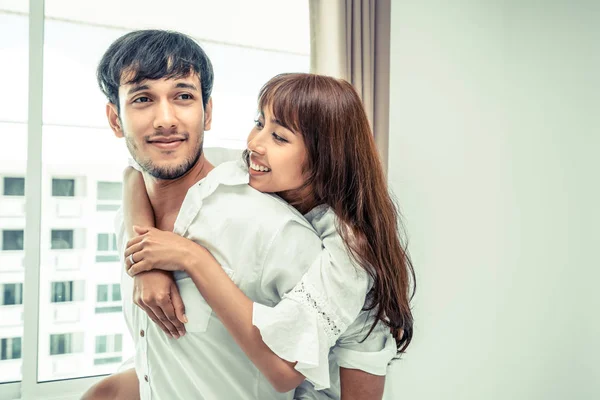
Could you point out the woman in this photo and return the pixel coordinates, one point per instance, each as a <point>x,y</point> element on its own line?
<point>313,147</point>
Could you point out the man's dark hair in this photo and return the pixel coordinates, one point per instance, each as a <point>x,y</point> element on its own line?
<point>153,54</point>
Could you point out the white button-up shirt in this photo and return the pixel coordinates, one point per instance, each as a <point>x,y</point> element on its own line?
<point>264,245</point>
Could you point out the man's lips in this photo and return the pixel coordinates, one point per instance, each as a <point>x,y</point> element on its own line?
<point>167,143</point>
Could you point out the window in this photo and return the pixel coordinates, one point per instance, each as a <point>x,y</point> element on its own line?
<point>107,242</point>
<point>109,294</point>
<point>66,343</point>
<point>10,348</point>
<point>14,28</point>
<point>106,346</point>
<point>107,248</point>
<point>108,360</point>
<point>82,162</point>
<point>109,343</point>
<point>67,291</point>
<point>12,239</point>
<point>14,186</point>
<point>63,187</point>
<point>110,190</point>
<point>12,294</point>
<point>102,293</point>
<point>61,239</point>
<point>116,292</point>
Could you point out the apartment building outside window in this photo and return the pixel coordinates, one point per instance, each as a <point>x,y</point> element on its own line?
<point>61,239</point>
<point>12,239</point>
<point>11,294</point>
<point>66,343</point>
<point>10,348</point>
<point>67,291</point>
<point>63,187</point>
<point>14,186</point>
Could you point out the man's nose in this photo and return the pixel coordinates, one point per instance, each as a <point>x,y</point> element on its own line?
<point>166,117</point>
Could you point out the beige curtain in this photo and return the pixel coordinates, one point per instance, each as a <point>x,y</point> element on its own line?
<point>350,39</point>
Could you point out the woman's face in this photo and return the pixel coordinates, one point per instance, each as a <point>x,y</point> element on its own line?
<point>277,157</point>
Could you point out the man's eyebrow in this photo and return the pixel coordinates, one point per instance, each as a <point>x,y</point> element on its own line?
<point>137,88</point>
<point>185,85</point>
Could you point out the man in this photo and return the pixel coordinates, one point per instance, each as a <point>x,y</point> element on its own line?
<point>158,85</point>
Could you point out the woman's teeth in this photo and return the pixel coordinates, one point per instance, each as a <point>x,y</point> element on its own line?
<point>257,167</point>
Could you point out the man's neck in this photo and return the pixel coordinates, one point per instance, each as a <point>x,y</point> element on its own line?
<point>166,196</point>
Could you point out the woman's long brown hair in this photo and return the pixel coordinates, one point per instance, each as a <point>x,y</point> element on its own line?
<point>344,171</point>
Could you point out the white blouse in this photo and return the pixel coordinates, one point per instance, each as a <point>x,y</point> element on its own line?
<point>320,323</point>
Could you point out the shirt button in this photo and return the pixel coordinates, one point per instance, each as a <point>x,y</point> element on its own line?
<point>146,378</point>
<point>142,333</point>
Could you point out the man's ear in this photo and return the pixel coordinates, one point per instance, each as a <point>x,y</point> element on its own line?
<point>113,120</point>
<point>208,115</point>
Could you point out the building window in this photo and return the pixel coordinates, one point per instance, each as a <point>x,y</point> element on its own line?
<point>14,186</point>
<point>11,294</point>
<point>12,239</point>
<point>108,360</point>
<point>107,242</point>
<point>110,191</point>
<point>61,239</point>
<point>63,187</point>
<point>108,294</point>
<point>109,343</point>
<point>67,291</point>
<point>66,343</point>
<point>10,348</point>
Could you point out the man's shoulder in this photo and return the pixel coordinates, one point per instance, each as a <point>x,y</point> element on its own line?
<point>219,155</point>
<point>233,177</point>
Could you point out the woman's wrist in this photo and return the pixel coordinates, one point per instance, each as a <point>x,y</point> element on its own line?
<point>192,256</point>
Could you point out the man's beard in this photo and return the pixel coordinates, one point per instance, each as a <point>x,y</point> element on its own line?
<point>166,173</point>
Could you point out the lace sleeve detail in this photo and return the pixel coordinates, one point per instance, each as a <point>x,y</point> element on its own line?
<point>305,293</point>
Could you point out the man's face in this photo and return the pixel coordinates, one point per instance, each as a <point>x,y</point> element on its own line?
<point>163,122</point>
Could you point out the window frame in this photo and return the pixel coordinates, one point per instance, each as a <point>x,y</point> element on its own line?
<point>29,387</point>
<point>5,178</point>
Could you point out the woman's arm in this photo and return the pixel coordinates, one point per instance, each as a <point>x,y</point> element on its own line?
<point>136,205</point>
<point>234,309</point>
<point>155,292</point>
<point>166,250</point>
<point>359,385</point>
<point>335,285</point>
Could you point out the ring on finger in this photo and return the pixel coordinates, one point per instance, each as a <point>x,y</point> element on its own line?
<point>131,259</point>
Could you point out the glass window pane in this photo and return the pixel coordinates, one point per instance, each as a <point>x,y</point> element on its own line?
<point>13,240</point>
<point>61,239</point>
<point>94,161</point>
<point>67,291</point>
<point>101,344</point>
<point>102,242</point>
<point>116,292</point>
<point>110,190</point>
<point>10,348</point>
<point>14,53</point>
<point>14,186</point>
<point>11,294</point>
<point>118,343</point>
<point>102,295</point>
<point>63,187</point>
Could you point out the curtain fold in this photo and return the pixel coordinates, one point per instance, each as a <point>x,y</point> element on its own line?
<point>350,39</point>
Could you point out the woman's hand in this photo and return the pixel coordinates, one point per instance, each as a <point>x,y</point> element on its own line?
<point>156,249</point>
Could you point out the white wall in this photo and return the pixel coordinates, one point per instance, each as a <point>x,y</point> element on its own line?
<point>493,156</point>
